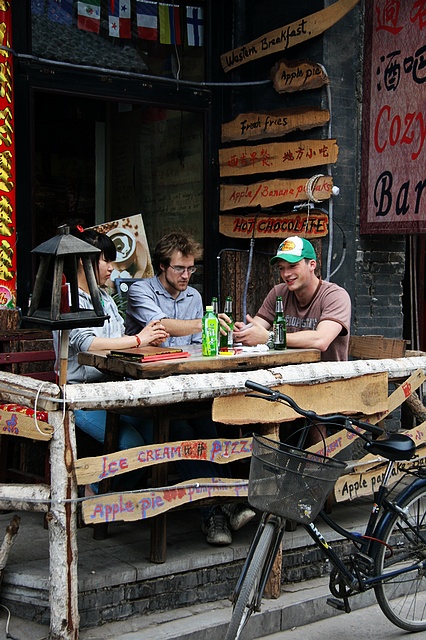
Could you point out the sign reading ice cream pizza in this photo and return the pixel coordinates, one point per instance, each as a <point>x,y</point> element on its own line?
<point>7,163</point>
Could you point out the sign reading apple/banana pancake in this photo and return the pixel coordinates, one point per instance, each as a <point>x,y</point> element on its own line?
<point>269,193</point>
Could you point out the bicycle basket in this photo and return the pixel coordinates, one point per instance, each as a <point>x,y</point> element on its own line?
<point>290,482</point>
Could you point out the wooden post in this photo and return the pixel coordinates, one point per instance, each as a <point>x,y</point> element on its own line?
<point>64,616</point>
<point>8,541</point>
<point>273,586</point>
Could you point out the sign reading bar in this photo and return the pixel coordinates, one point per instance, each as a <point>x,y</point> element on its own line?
<point>312,225</point>
<point>256,126</point>
<point>272,192</point>
<point>288,36</point>
<point>276,156</point>
<point>393,197</point>
<point>298,75</point>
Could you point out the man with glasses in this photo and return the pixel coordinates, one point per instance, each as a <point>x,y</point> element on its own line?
<point>169,297</point>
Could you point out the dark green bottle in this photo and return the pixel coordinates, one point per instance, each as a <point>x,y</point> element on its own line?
<point>227,340</point>
<point>279,326</point>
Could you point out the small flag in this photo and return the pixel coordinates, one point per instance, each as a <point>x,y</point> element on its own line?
<point>147,20</point>
<point>195,26</point>
<point>119,14</point>
<point>89,15</point>
<point>169,23</point>
<point>60,11</point>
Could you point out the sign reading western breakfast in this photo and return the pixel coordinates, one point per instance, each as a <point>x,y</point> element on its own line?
<point>393,198</point>
<point>287,36</point>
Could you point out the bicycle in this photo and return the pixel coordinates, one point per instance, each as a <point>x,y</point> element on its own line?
<point>287,482</point>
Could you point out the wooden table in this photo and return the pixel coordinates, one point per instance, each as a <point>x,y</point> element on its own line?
<point>196,363</point>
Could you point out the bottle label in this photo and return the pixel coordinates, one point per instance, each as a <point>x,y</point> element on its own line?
<point>279,335</point>
<point>209,336</point>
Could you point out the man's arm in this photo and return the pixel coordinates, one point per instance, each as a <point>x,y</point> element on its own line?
<point>181,327</point>
<point>320,338</point>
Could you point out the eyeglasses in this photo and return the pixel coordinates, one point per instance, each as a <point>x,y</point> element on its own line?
<point>190,270</point>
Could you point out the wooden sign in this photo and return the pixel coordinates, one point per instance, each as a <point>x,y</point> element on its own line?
<point>297,75</point>
<point>114,464</point>
<point>276,156</point>
<point>14,423</point>
<point>259,125</point>
<point>287,36</point>
<point>312,225</point>
<point>152,502</point>
<point>352,486</point>
<point>366,394</point>
<point>272,192</point>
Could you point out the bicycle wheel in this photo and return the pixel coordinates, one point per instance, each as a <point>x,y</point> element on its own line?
<point>403,598</point>
<point>242,608</point>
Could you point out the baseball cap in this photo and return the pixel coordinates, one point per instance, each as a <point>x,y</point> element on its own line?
<point>293,250</point>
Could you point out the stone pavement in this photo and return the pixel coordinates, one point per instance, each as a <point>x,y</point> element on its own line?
<point>107,568</point>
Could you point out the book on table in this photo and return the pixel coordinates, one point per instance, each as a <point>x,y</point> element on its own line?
<point>149,354</point>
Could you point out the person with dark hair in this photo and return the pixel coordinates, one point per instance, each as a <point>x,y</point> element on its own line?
<point>134,432</point>
<point>169,298</point>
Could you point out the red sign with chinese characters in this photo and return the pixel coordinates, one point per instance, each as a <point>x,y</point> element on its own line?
<point>393,195</point>
<point>7,164</point>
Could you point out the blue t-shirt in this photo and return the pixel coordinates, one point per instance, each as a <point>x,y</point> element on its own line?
<point>148,300</point>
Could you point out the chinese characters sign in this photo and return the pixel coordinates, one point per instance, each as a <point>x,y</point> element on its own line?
<point>393,198</point>
<point>7,164</point>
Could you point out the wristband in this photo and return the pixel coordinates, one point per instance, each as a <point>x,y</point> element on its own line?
<point>138,341</point>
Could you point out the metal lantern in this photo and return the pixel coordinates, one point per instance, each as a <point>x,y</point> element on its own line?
<point>64,311</point>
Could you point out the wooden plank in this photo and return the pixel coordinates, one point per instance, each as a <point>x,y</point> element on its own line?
<point>145,504</point>
<point>258,125</point>
<point>298,75</point>
<point>353,485</point>
<point>376,347</point>
<point>14,423</point>
<point>93,469</point>
<point>272,192</point>
<point>276,156</point>
<point>306,225</point>
<point>366,394</point>
<point>287,36</point>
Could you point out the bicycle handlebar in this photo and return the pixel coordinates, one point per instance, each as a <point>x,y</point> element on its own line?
<point>275,396</point>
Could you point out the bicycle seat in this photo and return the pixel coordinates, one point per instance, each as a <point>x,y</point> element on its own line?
<point>393,446</point>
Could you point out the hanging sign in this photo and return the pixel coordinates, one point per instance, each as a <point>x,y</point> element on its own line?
<point>276,156</point>
<point>297,75</point>
<point>306,225</point>
<point>272,192</point>
<point>287,36</point>
<point>393,197</point>
<point>7,164</point>
<point>256,126</point>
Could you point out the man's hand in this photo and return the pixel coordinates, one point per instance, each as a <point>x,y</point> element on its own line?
<point>224,323</point>
<point>253,333</point>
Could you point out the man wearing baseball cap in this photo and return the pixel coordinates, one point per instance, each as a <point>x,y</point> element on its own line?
<point>317,313</point>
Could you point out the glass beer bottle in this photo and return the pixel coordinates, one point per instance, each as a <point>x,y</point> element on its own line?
<point>227,340</point>
<point>279,326</point>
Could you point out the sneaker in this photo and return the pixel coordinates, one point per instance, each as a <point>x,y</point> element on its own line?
<point>216,530</point>
<point>238,514</point>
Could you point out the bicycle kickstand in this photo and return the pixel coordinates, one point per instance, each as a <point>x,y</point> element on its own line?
<point>340,605</point>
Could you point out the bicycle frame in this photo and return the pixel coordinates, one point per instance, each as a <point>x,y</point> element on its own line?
<point>369,541</point>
